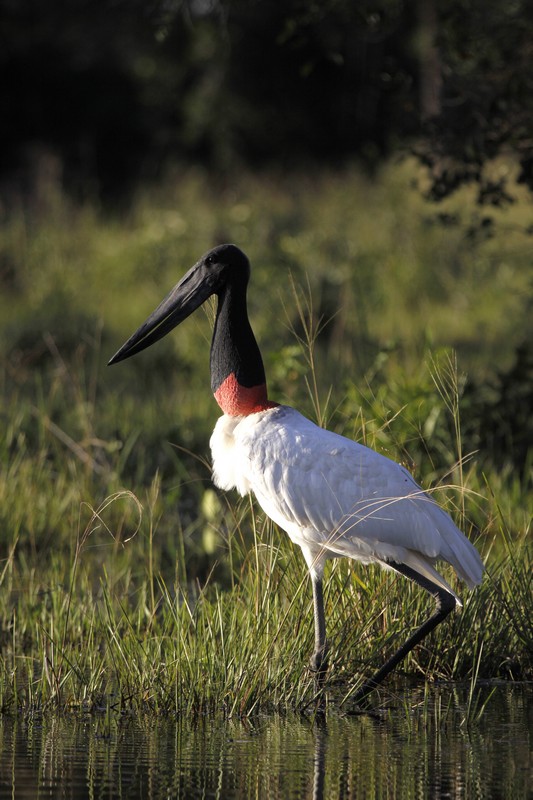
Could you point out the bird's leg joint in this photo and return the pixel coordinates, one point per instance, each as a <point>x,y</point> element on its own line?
<point>318,662</point>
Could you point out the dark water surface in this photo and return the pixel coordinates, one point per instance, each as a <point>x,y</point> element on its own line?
<point>423,746</point>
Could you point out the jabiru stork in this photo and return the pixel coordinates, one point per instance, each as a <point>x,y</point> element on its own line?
<point>333,496</point>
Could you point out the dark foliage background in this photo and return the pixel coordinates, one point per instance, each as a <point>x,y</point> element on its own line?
<point>117,89</point>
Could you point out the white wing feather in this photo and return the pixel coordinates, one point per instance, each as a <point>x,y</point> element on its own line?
<point>335,497</point>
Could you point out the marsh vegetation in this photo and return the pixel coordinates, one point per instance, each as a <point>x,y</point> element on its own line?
<point>126,581</point>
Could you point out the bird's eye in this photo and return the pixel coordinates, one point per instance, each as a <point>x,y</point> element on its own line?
<point>210,260</point>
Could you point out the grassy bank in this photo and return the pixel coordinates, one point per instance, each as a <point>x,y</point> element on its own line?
<point>125,579</point>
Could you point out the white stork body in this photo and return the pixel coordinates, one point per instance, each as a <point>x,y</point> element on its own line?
<point>333,497</point>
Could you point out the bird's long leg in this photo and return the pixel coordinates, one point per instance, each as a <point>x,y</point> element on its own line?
<point>445,604</point>
<point>319,661</point>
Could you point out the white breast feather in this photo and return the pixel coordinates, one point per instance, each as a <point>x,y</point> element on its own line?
<point>227,456</point>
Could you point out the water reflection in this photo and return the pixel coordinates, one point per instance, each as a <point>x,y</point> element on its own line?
<point>422,747</point>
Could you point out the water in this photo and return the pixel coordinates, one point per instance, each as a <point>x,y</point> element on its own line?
<point>422,747</point>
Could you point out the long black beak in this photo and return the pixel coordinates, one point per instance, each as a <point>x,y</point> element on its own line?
<point>193,289</point>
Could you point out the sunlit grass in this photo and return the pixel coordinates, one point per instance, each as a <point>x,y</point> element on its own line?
<point>356,298</point>
<point>202,605</point>
<point>132,640</point>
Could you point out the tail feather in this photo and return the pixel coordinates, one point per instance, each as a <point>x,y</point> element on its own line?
<point>425,569</point>
<point>460,552</point>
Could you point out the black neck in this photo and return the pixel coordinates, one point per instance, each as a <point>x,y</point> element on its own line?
<point>234,348</point>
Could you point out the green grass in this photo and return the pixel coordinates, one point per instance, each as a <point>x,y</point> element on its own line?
<point>76,639</point>
<point>126,581</point>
